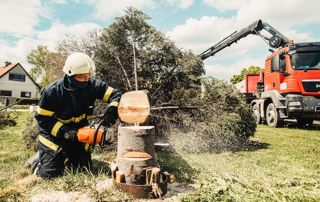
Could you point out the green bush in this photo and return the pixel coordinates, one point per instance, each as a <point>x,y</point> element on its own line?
<point>6,120</point>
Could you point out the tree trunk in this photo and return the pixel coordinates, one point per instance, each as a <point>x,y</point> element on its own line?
<point>136,152</point>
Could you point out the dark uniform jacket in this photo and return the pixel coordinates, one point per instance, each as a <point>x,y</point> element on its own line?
<point>60,108</point>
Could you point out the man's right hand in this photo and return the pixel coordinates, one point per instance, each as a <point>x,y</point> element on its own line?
<point>72,135</point>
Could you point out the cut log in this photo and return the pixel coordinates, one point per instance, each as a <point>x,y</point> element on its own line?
<point>134,107</point>
<point>136,151</point>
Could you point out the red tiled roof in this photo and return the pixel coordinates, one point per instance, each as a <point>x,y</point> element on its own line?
<point>4,70</point>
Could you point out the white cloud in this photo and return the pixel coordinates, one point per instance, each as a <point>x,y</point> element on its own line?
<point>285,14</point>
<point>107,9</point>
<point>58,31</point>
<point>59,1</point>
<point>48,38</point>
<point>20,17</point>
<point>225,72</point>
<point>180,3</point>
<point>223,5</point>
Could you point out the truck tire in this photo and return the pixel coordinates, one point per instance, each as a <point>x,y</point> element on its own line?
<point>256,113</point>
<point>304,122</point>
<point>272,116</point>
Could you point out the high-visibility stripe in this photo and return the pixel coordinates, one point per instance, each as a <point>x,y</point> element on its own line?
<point>114,104</point>
<point>44,112</point>
<point>48,143</point>
<point>78,119</point>
<point>56,128</point>
<point>65,120</point>
<point>86,146</point>
<point>66,161</point>
<point>73,119</point>
<point>107,94</point>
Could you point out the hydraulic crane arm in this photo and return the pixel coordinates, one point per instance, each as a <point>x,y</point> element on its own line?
<point>275,41</point>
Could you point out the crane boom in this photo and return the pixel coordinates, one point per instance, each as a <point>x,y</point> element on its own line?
<point>276,40</point>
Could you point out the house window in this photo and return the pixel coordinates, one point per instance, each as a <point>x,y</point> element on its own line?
<point>5,93</point>
<point>25,94</point>
<point>17,77</point>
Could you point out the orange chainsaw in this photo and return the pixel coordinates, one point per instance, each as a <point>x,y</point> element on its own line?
<point>94,134</point>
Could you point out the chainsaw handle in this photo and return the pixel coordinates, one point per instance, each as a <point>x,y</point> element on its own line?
<point>95,136</point>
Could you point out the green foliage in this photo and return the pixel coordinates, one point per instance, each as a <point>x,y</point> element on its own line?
<point>249,70</point>
<point>47,65</point>
<point>6,120</point>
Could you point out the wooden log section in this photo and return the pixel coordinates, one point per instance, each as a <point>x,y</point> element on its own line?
<point>136,151</point>
<point>134,107</point>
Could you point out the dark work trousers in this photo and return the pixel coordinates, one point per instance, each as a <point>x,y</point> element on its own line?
<point>70,154</point>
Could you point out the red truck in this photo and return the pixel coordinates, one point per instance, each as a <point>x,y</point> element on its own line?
<point>289,85</point>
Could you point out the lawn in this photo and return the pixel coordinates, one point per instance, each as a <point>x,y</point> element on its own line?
<point>278,164</point>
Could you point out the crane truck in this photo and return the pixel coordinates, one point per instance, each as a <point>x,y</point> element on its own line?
<point>289,85</point>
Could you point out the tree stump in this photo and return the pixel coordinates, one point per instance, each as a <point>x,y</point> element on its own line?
<point>136,170</point>
<point>136,152</point>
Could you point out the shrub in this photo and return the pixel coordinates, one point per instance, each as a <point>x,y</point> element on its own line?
<point>6,120</point>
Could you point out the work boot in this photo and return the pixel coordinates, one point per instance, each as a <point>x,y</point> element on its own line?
<point>32,162</point>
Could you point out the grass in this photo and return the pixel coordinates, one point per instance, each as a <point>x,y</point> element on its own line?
<point>284,168</point>
<point>279,164</point>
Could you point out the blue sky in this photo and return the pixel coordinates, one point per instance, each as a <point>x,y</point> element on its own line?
<point>192,24</point>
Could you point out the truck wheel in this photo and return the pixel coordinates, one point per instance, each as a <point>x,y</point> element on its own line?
<point>304,122</point>
<point>256,113</point>
<point>272,116</point>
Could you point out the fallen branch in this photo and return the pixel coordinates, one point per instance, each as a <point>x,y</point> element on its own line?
<point>173,107</point>
<point>9,106</point>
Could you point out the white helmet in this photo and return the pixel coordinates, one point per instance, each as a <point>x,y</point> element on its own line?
<point>78,63</point>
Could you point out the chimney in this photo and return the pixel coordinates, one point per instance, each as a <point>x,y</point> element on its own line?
<point>7,63</point>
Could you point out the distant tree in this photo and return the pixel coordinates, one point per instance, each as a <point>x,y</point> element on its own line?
<point>47,65</point>
<point>249,70</point>
<point>86,43</point>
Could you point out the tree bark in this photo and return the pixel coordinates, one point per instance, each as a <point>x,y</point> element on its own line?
<point>136,151</point>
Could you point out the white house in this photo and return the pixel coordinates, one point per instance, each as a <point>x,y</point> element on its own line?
<point>16,82</point>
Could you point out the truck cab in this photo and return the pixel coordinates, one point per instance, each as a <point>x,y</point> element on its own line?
<point>292,84</point>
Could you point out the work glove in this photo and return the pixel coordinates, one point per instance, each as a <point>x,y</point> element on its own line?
<point>71,134</point>
<point>110,116</point>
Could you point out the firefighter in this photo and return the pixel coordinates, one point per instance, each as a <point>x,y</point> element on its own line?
<point>64,107</point>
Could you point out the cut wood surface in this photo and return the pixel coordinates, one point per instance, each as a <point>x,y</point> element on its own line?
<point>134,107</point>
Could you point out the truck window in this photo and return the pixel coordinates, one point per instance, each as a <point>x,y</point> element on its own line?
<point>275,64</point>
<point>282,63</point>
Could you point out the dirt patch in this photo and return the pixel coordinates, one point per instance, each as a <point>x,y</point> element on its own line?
<point>62,197</point>
<point>176,191</point>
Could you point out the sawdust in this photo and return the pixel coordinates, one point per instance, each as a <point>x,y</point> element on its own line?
<point>104,185</point>
<point>176,191</point>
<point>61,196</point>
<point>21,184</point>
